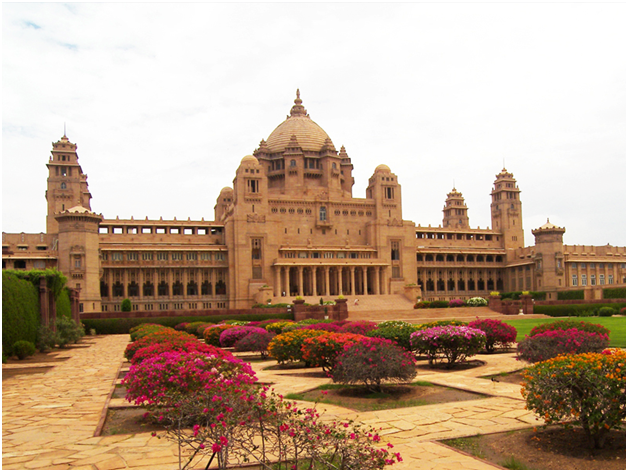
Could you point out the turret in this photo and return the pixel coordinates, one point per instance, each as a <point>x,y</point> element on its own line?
<point>506,214</point>
<point>455,211</point>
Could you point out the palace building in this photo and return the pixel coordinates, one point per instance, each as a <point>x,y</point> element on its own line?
<point>290,226</point>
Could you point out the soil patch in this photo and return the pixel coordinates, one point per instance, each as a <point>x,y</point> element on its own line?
<point>472,364</point>
<point>128,421</point>
<point>513,377</point>
<point>359,398</point>
<point>553,448</point>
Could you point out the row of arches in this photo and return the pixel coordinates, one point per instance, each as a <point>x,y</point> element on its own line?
<point>163,289</point>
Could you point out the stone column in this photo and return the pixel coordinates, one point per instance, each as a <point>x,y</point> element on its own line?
<point>340,281</point>
<point>376,277</point>
<point>365,281</point>
<point>286,280</point>
<point>300,281</point>
<point>277,287</point>
<point>352,275</point>
<point>326,281</point>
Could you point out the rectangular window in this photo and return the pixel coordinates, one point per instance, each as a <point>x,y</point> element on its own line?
<point>77,263</point>
<point>394,250</point>
<point>220,256</point>
<point>177,256</point>
<point>252,185</point>
<point>131,256</point>
<point>206,256</point>
<point>147,256</point>
<point>116,256</point>
<point>610,279</point>
<point>147,230</point>
<point>256,250</point>
<point>583,266</point>
<point>104,256</point>
<point>592,279</point>
<point>574,280</point>
<point>574,266</point>
<point>396,274</point>
<point>328,255</point>
<point>584,280</point>
<point>601,279</point>
<point>191,256</point>
<point>39,265</point>
<point>188,230</point>
<point>162,256</point>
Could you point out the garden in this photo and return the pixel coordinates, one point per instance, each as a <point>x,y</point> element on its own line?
<point>195,388</point>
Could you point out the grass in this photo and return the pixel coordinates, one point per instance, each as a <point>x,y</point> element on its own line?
<point>617,326</point>
<point>513,463</point>
<point>470,445</point>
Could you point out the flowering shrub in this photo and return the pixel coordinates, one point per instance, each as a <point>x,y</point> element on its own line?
<point>455,303</point>
<point>142,330</point>
<point>452,344</point>
<point>370,361</point>
<point>566,324</point>
<point>622,312</point>
<point>498,334</point>
<point>431,324</point>
<point>265,323</point>
<point>278,326</point>
<point>397,331</point>
<point>330,327</point>
<point>589,388</point>
<point>323,350</point>
<point>180,345</point>
<point>358,327</point>
<point>200,329</point>
<point>230,336</point>
<point>192,328</point>
<point>477,301</point>
<point>549,344</point>
<point>286,347</point>
<point>162,336</point>
<point>212,334</point>
<point>255,341</point>
<point>181,326</point>
<point>422,305</point>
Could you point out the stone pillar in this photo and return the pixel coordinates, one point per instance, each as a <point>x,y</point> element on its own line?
<point>352,275</point>
<point>340,280</point>
<point>277,288</point>
<point>376,276</point>
<point>365,281</point>
<point>125,283</point>
<point>326,281</point>
<point>300,289</point>
<point>286,280</point>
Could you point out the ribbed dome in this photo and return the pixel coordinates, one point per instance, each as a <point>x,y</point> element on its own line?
<point>249,160</point>
<point>310,136</point>
<point>382,168</point>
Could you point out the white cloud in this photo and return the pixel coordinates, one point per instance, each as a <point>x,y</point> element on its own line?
<point>164,100</point>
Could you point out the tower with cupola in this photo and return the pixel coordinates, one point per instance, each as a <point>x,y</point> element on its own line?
<point>67,185</point>
<point>455,211</point>
<point>506,214</point>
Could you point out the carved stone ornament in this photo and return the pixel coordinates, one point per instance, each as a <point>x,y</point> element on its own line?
<point>253,218</point>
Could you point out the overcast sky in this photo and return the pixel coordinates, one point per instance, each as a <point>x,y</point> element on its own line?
<point>164,100</point>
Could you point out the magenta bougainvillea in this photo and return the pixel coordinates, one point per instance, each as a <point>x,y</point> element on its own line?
<point>323,350</point>
<point>358,327</point>
<point>498,333</point>
<point>230,336</point>
<point>549,344</point>
<point>449,344</point>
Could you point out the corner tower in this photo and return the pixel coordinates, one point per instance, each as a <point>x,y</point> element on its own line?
<point>455,211</point>
<point>506,214</point>
<point>67,185</point>
<point>549,257</point>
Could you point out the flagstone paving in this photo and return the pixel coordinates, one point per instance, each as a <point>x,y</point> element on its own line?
<point>49,419</point>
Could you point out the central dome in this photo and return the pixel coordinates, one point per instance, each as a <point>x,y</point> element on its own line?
<point>310,136</point>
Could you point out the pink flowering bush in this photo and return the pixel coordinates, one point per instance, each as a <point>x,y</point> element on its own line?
<point>181,326</point>
<point>455,303</point>
<point>212,334</point>
<point>570,323</point>
<point>331,327</point>
<point>181,345</point>
<point>323,350</point>
<point>498,333</point>
<point>449,344</point>
<point>230,336</point>
<point>549,344</point>
<point>142,330</point>
<point>358,327</point>
<point>371,361</point>
<point>162,336</point>
<point>256,342</point>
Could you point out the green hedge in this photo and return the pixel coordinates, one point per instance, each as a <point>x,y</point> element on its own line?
<point>64,308</point>
<point>571,295</point>
<point>614,292</point>
<point>516,295</point>
<point>585,309</point>
<point>20,311</point>
<point>123,325</point>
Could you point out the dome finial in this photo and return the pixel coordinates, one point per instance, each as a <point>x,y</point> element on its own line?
<point>297,108</point>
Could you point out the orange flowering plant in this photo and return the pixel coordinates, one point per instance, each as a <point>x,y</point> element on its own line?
<point>286,347</point>
<point>589,389</point>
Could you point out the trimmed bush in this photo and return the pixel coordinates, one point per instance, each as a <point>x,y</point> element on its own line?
<point>181,326</point>
<point>255,341</point>
<point>432,324</point>
<point>584,309</point>
<point>515,295</point>
<point>498,333</point>
<point>606,311</point>
<point>64,307</point>
<point>322,351</point>
<point>371,361</point>
<point>126,305</point>
<point>477,301</point>
<point>20,311</point>
<point>212,334</point>
<point>230,336</point>
<point>549,344</point>
<point>452,344</point>
<point>571,295</point>
<point>567,324</point>
<point>399,332</point>
<point>145,329</point>
<point>358,327</point>
<point>619,292</point>
<point>456,303</point>
<point>439,304</point>
<point>286,347</point>
<point>589,389</point>
<point>23,349</point>
<point>422,305</point>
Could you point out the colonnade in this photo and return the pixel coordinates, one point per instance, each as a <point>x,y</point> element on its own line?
<point>330,280</point>
<point>457,281</point>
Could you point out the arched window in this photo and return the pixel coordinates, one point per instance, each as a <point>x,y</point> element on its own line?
<point>63,185</point>
<point>322,214</point>
<point>293,163</point>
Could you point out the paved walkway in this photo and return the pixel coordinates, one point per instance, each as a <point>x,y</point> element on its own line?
<point>49,419</point>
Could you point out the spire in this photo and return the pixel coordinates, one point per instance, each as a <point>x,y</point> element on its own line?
<point>64,133</point>
<point>297,108</point>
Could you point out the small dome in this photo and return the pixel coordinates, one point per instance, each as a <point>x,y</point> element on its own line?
<point>226,189</point>
<point>383,169</point>
<point>309,135</point>
<point>549,225</point>
<point>78,209</point>
<point>249,160</point>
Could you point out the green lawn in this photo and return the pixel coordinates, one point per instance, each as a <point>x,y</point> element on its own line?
<point>617,326</point>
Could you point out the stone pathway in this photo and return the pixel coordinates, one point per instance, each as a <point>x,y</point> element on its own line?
<point>49,419</point>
